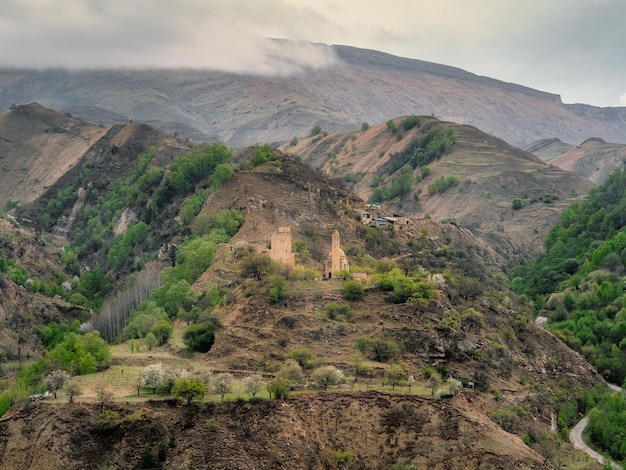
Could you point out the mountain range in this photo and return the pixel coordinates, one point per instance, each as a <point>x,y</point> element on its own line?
<point>360,86</point>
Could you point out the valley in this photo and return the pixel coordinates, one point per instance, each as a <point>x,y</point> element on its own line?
<point>146,235</point>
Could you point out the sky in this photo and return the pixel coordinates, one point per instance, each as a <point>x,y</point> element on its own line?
<point>573,48</point>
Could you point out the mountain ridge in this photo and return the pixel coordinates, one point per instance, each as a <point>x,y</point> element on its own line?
<point>362,86</point>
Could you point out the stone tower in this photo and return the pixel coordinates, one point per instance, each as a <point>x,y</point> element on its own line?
<point>281,247</point>
<point>336,260</point>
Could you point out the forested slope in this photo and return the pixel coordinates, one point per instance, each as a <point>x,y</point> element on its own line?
<point>578,283</point>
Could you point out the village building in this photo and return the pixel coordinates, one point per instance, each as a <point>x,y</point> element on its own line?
<point>281,247</point>
<point>337,260</point>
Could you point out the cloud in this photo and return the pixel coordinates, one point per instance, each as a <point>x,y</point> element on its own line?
<point>565,47</point>
<point>622,100</point>
<point>230,36</point>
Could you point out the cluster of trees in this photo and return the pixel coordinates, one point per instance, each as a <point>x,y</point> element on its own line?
<point>423,150</point>
<point>581,272</point>
<point>607,423</point>
<point>67,354</point>
<point>442,184</point>
<point>399,186</point>
<point>401,287</point>
<point>578,282</point>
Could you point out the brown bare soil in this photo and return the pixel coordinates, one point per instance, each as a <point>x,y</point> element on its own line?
<point>305,432</point>
<point>594,159</point>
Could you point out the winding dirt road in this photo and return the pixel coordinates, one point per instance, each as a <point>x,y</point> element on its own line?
<point>576,438</point>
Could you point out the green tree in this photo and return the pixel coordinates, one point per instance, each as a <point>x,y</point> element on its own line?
<point>302,356</point>
<point>278,388</point>
<point>316,130</point>
<point>517,204</point>
<point>397,374</point>
<point>150,341</point>
<point>161,330</point>
<point>72,390</point>
<point>189,388</point>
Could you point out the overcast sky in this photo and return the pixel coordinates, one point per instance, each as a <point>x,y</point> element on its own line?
<point>570,47</point>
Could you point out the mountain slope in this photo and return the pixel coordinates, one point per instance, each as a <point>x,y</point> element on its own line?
<point>490,175</point>
<point>37,147</point>
<point>361,86</point>
<point>547,149</point>
<point>594,159</point>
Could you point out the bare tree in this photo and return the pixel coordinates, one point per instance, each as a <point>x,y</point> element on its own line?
<point>72,390</point>
<point>105,396</point>
<point>222,384</point>
<point>253,384</point>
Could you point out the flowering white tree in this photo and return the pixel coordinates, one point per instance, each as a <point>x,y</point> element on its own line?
<point>326,376</point>
<point>152,376</point>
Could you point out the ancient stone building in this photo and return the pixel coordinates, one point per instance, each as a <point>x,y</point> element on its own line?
<point>336,260</point>
<point>281,247</point>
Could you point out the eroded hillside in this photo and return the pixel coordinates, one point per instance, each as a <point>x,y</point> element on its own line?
<point>488,175</point>
<point>306,432</point>
<point>431,300</point>
<point>594,159</point>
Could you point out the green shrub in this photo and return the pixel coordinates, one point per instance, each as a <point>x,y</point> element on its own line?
<point>200,337</point>
<point>337,311</point>
<point>352,290</point>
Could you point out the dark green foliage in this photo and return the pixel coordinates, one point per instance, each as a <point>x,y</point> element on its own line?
<point>391,126</point>
<point>423,150</point>
<point>607,424</point>
<point>352,177</point>
<point>365,126</point>
<point>123,245</point>
<point>77,354</point>
<point>517,204</point>
<point>278,289</point>
<point>411,122</point>
<point>316,130</point>
<point>54,333</point>
<point>302,356</point>
<point>399,186</point>
<point>378,349</point>
<point>187,170</point>
<point>94,285</point>
<point>148,461</point>
<point>264,154</point>
<point>200,337</point>
<point>142,320</point>
<point>193,204</point>
<point>403,287</point>
<point>590,317</point>
<point>228,220</point>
